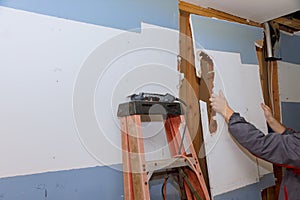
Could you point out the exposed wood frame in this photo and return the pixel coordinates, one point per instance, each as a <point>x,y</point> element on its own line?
<point>210,12</point>
<point>190,87</point>
<point>186,51</point>
<point>289,23</point>
<point>277,114</point>
<point>270,100</point>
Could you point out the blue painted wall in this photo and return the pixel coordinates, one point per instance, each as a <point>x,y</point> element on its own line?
<point>214,34</point>
<point>290,114</point>
<point>91,183</point>
<point>97,183</point>
<point>250,192</point>
<point>290,48</point>
<point>122,14</point>
<point>290,52</point>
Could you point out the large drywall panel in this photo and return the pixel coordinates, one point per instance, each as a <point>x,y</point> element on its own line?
<point>219,35</point>
<point>55,71</point>
<point>244,95</point>
<point>230,166</point>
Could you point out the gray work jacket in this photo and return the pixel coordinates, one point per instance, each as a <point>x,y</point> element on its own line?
<point>282,149</point>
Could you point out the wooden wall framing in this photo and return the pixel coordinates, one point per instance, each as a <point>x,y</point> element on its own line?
<point>186,67</point>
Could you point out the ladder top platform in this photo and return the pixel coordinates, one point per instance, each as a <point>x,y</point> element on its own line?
<point>149,108</point>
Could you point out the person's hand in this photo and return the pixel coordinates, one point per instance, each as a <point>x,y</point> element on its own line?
<point>220,105</point>
<point>267,112</point>
<point>273,123</point>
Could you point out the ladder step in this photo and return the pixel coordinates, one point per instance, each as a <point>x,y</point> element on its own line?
<point>166,165</point>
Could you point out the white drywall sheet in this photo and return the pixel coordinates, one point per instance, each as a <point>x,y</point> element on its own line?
<point>228,44</point>
<point>229,165</point>
<point>61,82</point>
<point>288,80</point>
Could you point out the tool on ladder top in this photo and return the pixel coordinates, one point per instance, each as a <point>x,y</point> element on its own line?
<point>182,166</point>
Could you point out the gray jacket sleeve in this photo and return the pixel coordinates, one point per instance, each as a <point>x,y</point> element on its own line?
<point>283,149</point>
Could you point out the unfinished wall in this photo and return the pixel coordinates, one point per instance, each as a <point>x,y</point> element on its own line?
<point>288,75</point>
<point>233,173</point>
<point>65,67</point>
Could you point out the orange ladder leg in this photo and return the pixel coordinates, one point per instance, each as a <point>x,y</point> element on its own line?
<point>174,138</point>
<point>134,160</point>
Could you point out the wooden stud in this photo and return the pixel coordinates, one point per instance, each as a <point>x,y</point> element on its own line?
<point>275,93</point>
<point>272,192</point>
<point>209,12</point>
<point>189,90</point>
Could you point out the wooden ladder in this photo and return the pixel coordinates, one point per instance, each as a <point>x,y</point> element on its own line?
<point>137,172</point>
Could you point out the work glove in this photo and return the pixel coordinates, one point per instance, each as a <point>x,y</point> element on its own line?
<point>219,103</point>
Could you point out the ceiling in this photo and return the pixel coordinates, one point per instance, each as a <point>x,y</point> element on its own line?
<point>259,10</point>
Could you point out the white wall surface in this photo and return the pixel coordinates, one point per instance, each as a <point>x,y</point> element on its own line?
<point>230,166</point>
<point>61,82</point>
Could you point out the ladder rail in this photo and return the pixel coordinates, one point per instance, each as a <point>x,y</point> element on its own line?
<point>136,172</point>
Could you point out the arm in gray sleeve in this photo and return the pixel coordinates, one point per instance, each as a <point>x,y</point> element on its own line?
<point>289,131</point>
<point>281,149</point>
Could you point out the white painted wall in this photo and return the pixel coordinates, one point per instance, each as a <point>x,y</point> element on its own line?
<point>230,166</point>
<point>61,82</point>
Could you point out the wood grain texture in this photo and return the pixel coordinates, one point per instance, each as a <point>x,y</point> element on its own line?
<point>209,12</point>
<point>269,74</point>
<point>190,89</point>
